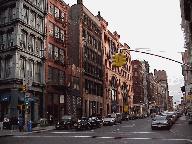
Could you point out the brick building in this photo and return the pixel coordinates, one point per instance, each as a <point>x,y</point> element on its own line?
<point>117,80</point>
<point>138,87</point>
<point>56,62</point>
<point>85,49</point>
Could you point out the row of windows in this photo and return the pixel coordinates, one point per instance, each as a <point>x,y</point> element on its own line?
<point>93,88</point>
<point>26,69</point>
<point>56,12</point>
<point>31,43</point>
<point>7,14</point>
<point>93,56</point>
<point>30,69</point>
<point>74,81</point>
<point>56,32</point>
<point>91,24</point>
<point>92,70</point>
<point>32,18</point>
<point>56,76</point>
<point>38,3</point>
<point>56,53</point>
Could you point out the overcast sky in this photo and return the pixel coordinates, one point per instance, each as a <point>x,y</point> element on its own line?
<point>153,24</point>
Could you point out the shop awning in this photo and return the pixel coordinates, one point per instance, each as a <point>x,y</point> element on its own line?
<point>5,96</point>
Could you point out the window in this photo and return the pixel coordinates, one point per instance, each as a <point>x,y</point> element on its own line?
<point>56,12</point>
<point>135,66</point>
<point>25,14</point>
<point>23,41</point>
<point>10,37</point>
<point>51,9</point>
<point>31,43</point>
<point>50,51</point>
<point>51,29</point>
<point>12,12</point>
<point>2,38</point>
<point>62,35</point>
<point>50,74</point>
<point>62,56</point>
<point>38,72</point>
<point>136,74</point>
<point>39,23</point>
<point>22,62</point>
<point>38,46</point>
<point>32,19</point>
<point>62,16</point>
<point>61,77</point>
<point>8,66</point>
<point>56,32</point>
<point>56,56</point>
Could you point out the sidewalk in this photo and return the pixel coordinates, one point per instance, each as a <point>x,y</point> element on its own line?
<point>5,133</point>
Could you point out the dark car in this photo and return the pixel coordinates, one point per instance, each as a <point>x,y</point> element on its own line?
<point>96,122</point>
<point>65,123</point>
<point>83,123</point>
<point>161,121</point>
<point>132,116</point>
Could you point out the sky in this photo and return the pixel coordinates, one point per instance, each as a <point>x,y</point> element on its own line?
<point>152,24</point>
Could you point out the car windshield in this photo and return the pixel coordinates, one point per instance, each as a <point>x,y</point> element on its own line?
<point>160,118</point>
<point>108,116</point>
<point>113,115</point>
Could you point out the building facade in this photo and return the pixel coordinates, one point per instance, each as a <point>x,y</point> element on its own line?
<point>86,49</point>
<point>22,57</point>
<point>56,62</point>
<point>118,93</point>
<point>138,88</point>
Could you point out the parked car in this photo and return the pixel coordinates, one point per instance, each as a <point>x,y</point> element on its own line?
<point>161,121</point>
<point>117,116</point>
<point>108,120</point>
<point>65,122</point>
<point>132,116</point>
<point>125,117</point>
<point>83,123</point>
<point>96,122</point>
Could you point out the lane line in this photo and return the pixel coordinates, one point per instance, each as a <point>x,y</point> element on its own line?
<point>103,137</point>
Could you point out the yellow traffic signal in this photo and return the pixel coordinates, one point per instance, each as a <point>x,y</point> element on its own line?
<point>24,87</point>
<point>122,59</point>
<point>115,59</point>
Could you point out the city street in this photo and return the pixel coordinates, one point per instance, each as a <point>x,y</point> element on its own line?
<point>132,132</point>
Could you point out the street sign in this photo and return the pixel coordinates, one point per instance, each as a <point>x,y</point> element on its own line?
<point>114,107</point>
<point>27,101</point>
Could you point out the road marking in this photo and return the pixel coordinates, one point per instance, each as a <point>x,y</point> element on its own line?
<point>103,138</point>
<point>128,126</point>
<point>101,132</point>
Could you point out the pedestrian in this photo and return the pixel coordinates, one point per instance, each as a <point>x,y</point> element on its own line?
<point>14,123</point>
<point>21,124</point>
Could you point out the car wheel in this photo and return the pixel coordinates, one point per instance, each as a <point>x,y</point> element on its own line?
<point>115,123</point>
<point>120,122</point>
<point>152,128</point>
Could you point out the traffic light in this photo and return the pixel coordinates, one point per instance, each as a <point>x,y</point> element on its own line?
<point>115,59</point>
<point>24,87</point>
<point>122,59</point>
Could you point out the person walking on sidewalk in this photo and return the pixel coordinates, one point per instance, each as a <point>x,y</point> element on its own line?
<point>21,124</point>
<point>14,123</point>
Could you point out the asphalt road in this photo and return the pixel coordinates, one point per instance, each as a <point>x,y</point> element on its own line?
<point>129,132</point>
